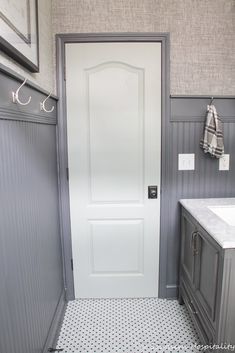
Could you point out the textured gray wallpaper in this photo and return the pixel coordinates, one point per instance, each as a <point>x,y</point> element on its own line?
<point>202,35</point>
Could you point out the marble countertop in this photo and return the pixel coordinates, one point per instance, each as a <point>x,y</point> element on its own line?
<point>221,231</point>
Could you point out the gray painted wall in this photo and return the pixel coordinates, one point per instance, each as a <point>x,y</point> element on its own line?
<point>31,275</point>
<point>186,129</point>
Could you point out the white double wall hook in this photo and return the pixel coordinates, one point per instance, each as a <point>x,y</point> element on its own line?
<point>42,105</point>
<point>15,95</point>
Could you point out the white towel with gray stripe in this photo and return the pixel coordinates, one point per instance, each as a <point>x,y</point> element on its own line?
<point>213,141</point>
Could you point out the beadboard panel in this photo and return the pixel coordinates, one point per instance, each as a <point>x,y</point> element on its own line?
<point>31,275</point>
<point>206,180</point>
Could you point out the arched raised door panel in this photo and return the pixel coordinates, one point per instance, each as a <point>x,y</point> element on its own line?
<point>113,179</point>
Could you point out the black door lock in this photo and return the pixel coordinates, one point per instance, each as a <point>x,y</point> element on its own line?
<point>55,349</point>
<point>152,192</point>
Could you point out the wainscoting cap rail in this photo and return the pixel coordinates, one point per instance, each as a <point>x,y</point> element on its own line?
<point>201,96</point>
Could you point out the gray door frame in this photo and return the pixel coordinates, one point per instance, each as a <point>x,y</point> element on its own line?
<point>61,41</point>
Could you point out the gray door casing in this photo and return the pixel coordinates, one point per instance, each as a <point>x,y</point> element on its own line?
<point>61,40</point>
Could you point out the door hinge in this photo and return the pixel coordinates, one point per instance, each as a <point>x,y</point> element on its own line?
<point>72,264</point>
<point>67,173</point>
<point>64,73</point>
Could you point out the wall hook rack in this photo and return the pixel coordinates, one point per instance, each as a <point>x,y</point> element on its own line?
<point>15,95</point>
<point>42,105</point>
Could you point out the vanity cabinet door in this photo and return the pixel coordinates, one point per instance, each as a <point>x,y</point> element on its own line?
<point>189,232</point>
<point>207,261</point>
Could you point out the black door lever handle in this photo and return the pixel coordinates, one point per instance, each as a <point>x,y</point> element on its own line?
<point>152,192</point>
<point>55,349</point>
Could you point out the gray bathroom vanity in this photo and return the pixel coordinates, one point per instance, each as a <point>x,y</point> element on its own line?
<point>207,268</point>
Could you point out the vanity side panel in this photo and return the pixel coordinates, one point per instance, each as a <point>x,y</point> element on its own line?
<point>188,228</point>
<point>226,328</point>
<point>208,275</point>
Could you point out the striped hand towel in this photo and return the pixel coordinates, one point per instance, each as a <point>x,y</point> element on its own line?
<point>213,134</point>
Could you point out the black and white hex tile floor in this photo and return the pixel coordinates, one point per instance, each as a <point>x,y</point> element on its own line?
<point>146,325</point>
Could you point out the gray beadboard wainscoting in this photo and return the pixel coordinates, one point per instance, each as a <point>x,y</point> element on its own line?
<point>31,267</point>
<point>185,131</point>
<point>31,273</point>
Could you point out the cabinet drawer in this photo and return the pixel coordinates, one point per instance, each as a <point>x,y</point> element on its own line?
<point>203,328</point>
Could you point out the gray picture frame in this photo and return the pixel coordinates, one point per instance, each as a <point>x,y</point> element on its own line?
<point>8,48</point>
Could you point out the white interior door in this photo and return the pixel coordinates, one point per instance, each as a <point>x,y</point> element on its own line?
<point>114,141</point>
